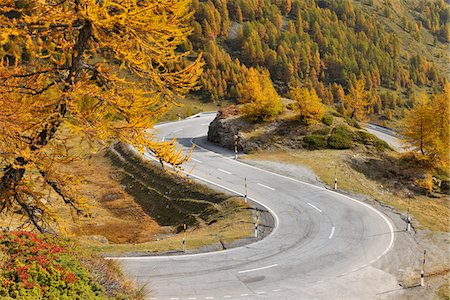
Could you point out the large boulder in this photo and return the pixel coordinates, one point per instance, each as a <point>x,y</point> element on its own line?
<point>223,131</point>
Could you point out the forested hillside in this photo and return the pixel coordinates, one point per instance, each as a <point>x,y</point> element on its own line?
<point>395,48</point>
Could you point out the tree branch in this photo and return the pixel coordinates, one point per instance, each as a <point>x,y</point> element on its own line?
<point>67,199</point>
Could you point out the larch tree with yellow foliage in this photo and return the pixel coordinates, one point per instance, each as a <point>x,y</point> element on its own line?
<point>426,127</point>
<point>357,101</point>
<point>103,70</point>
<point>308,103</point>
<point>261,101</point>
<point>418,126</point>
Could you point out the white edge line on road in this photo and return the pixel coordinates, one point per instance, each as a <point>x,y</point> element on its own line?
<point>332,232</point>
<point>224,171</point>
<point>163,257</point>
<point>391,228</point>
<point>267,187</point>
<point>276,219</point>
<point>199,161</point>
<point>178,130</point>
<point>315,207</point>
<point>258,269</point>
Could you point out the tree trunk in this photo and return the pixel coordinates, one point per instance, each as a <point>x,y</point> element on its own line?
<point>14,173</point>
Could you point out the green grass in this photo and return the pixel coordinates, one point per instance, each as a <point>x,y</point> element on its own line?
<point>432,213</point>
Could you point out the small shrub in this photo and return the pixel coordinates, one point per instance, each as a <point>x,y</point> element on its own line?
<point>43,267</point>
<point>327,120</point>
<point>315,142</point>
<point>323,131</point>
<point>369,139</point>
<point>341,138</point>
<point>352,123</point>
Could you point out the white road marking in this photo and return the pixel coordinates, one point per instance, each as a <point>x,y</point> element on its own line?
<point>276,290</point>
<point>224,171</point>
<point>203,124</point>
<point>163,257</point>
<point>315,207</point>
<point>209,297</point>
<point>257,269</point>
<point>174,298</point>
<point>199,161</point>
<point>391,228</point>
<point>267,187</point>
<point>332,232</point>
<point>244,295</point>
<point>260,293</point>
<point>227,296</point>
<point>178,130</point>
<point>163,139</point>
<point>192,298</point>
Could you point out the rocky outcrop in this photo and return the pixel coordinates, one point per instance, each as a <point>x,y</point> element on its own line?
<point>224,131</point>
<point>277,134</point>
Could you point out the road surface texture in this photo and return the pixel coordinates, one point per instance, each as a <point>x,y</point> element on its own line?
<point>324,245</point>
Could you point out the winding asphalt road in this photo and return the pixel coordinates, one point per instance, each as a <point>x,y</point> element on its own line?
<point>324,245</point>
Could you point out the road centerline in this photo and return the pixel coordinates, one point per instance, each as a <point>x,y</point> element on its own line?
<point>315,207</point>
<point>267,187</point>
<point>258,269</point>
<point>224,171</point>
<point>332,232</point>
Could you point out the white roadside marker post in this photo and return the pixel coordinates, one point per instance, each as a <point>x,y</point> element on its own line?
<point>408,222</point>
<point>184,238</point>
<point>256,224</point>
<point>335,177</point>
<point>422,272</point>
<point>245,193</point>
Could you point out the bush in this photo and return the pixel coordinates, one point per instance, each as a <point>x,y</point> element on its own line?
<point>38,266</point>
<point>369,139</point>
<point>352,123</point>
<point>327,120</point>
<point>323,131</point>
<point>315,142</point>
<point>341,138</point>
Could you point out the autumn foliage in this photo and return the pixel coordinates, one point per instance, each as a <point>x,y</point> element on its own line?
<point>426,127</point>
<point>308,105</point>
<point>103,70</point>
<point>261,101</point>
